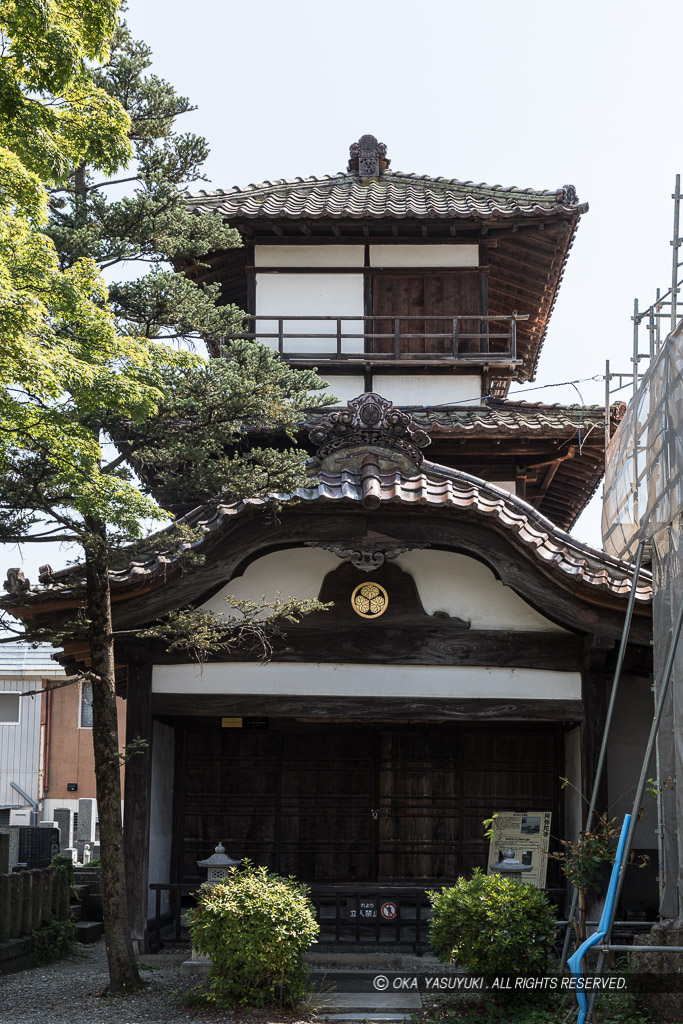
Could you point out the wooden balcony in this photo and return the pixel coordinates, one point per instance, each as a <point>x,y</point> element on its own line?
<point>388,341</point>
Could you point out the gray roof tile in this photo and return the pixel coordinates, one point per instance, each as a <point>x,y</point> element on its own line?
<point>392,194</point>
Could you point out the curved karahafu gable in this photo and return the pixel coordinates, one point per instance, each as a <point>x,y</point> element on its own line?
<point>578,587</point>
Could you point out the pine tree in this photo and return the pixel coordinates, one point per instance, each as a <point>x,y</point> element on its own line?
<point>149,225</point>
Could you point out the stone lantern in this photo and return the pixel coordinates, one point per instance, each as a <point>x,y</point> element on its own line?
<point>218,865</point>
<point>510,867</point>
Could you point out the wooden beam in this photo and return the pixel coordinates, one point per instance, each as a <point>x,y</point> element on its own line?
<point>594,694</point>
<point>367,708</point>
<point>425,641</point>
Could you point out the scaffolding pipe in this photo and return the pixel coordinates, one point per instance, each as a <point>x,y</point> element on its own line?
<point>663,691</point>
<point>676,244</point>
<point>605,733</point>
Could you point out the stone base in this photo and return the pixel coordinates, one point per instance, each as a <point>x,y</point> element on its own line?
<point>664,1006</point>
<point>198,965</point>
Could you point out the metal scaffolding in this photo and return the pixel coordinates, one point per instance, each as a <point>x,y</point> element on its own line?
<point>654,318</point>
<point>643,505</point>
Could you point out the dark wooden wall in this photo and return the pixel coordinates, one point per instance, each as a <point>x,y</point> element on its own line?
<point>358,802</point>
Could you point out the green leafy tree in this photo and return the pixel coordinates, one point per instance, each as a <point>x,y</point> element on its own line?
<point>94,397</point>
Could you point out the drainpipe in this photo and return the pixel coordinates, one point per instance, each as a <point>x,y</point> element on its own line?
<point>29,800</point>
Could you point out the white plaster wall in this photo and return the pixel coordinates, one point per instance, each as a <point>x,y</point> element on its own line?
<point>310,295</point>
<point>308,679</point>
<point>450,255</point>
<point>446,581</point>
<point>161,813</point>
<point>309,255</point>
<point>464,587</point>
<point>345,386</point>
<point>294,572</point>
<point>425,389</point>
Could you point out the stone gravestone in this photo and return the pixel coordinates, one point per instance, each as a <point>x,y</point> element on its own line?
<point>87,813</point>
<point>64,818</point>
<point>13,832</point>
<point>4,858</point>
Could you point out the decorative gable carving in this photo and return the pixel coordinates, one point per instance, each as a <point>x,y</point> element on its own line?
<point>370,423</point>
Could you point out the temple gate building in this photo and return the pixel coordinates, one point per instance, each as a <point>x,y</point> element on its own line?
<point>464,666</point>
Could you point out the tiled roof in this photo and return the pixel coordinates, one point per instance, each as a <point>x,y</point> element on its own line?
<point>391,194</point>
<point>436,487</point>
<point>19,660</point>
<point>501,417</point>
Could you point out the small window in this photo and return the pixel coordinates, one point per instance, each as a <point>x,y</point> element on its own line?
<point>9,708</point>
<point>85,716</point>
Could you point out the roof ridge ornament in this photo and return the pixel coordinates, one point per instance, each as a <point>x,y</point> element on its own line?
<point>370,423</point>
<point>368,157</point>
<point>567,194</point>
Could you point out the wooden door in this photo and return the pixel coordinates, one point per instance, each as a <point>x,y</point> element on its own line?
<point>327,829</point>
<point>398,296</point>
<point>419,805</point>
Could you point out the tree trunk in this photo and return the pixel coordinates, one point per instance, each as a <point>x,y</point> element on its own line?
<point>581,931</point>
<point>123,971</point>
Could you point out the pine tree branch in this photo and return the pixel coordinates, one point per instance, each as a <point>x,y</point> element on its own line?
<point>69,681</point>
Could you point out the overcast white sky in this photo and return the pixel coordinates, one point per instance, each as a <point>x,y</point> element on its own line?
<point>528,93</point>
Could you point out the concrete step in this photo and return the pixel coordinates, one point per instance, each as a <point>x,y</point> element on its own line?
<point>374,1019</point>
<point>365,1003</point>
<point>88,931</point>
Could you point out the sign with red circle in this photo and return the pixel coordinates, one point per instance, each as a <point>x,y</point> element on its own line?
<point>388,911</point>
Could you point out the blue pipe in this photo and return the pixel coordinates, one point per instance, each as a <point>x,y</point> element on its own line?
<point>576,960</point>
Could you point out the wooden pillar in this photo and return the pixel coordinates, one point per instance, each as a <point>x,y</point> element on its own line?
<point>594,686</point>
<point>137,792</point>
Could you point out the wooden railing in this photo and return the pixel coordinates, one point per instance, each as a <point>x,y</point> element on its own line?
<point>367,914</point>
<point>388,339</point>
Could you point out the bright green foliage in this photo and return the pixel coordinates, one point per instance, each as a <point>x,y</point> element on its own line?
<point>582,860</point>
<point>255,928</point>
<point>52,113</point>
<point>493,925</point>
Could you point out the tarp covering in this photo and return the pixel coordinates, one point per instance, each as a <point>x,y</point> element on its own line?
<point>643,500</point>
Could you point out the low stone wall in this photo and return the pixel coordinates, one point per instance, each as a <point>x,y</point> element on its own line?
<point>28,901</point>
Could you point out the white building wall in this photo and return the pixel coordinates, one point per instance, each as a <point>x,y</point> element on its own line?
<point>437,255</point>
<point>310,295</point>
<point>309,255</point>
<point>20,746</point>
<point>313,680</point>
<point>408,389</point>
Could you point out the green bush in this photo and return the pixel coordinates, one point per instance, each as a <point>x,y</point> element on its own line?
<point>255,927</point>
<point>493,925</point>
<point>54,941</point>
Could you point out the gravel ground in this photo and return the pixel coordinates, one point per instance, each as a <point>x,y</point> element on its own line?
<point>67,993</point>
